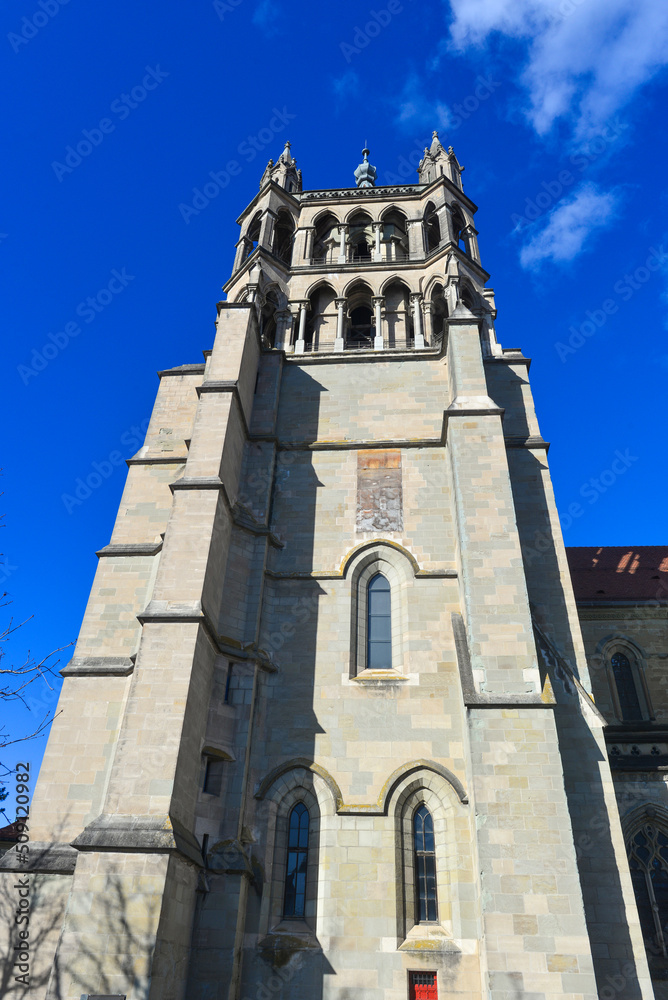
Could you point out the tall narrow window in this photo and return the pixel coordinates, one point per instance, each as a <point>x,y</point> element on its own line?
<point>648,861</point>
<point>379,624</point>
<point>297,861</point>
<point>425,866</point>
<point>629,702</point>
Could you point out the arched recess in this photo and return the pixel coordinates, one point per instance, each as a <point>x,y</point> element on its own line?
<point>297,764</point>
<point>459,235</point>
<point>321,318</point>
<point>398,570</point>
<point>398,313</point>
<point>284,236</point>
<point>395,234</point>
<point>438,309</point>
<point>468,296</point>
<point>274,301</point>
<point>296,783</point>
<point>624,663</point>
<point>360,318</point>
<point>455,868</point>
<point>431,228</point>
<point>252,235</point>
<point>360,238</point>
<point>326,240</point>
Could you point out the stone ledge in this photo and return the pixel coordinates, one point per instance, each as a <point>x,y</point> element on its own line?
<point>158,460</point>
<point>379,677</point>
<point>98,666</point>
<point>41,857</point>
<point>527,442</point>
<point>139,835</point>
<point>475,699</point>
<point>196,369</point>
<point>130,549</point>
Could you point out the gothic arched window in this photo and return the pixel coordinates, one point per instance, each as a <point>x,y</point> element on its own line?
<point>627,692</point>
<point>297,861</point>
<point>284,235</point>
<point>379,624</point>
<point>648,861</point>
<point>424,848</point>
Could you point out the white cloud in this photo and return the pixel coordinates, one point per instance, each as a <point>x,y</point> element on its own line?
<point>569,226</point>
<point>416,109</point>
<point>586,58</point>
<point>346,85</point>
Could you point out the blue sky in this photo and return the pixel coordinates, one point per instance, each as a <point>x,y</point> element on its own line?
<point>556,108</point>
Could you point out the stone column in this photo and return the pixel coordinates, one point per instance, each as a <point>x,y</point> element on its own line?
<point>299,345</point>
<point>242,252</point>
<point>340,321</point>
<point>444,223</point>
<point>470,235</point>
<point>267,229</point>
<point>282,328</point>
<point>377,230</point>
<point>378,303</point>
<point>418,336</point>
<point>415,240</point>
<point>428,321</point>
<point>308,243</point>
<point>343,235</point>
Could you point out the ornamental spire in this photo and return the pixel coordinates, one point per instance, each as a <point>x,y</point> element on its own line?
<point>365,174</point>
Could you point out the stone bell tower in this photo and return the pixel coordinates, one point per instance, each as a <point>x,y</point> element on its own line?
<point>328,730</point>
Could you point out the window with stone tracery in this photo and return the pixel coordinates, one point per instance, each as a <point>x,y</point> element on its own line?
<point>648,862</point>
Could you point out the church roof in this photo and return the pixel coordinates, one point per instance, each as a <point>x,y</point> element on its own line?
<point>619,573</point>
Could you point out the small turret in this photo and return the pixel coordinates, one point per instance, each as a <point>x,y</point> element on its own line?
<point>365,174</point>
<point>284,172</point>
<point>437,163</point>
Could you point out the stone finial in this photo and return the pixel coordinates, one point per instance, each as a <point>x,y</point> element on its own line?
<point>284,172</point>
<point>365,174</point>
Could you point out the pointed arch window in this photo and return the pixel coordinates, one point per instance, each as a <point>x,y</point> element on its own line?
<point>627,692</point>
<point>297,862</point>
<point>425,866</point>
<point>648,861</point>
<point>379,624</point>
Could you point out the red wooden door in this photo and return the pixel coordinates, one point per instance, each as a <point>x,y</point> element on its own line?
<point>423,986</point>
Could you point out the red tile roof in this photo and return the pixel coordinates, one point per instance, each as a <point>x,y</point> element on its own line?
<point>619,572</point>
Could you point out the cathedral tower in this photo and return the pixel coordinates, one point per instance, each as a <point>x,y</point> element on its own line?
<point>328,729</point>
